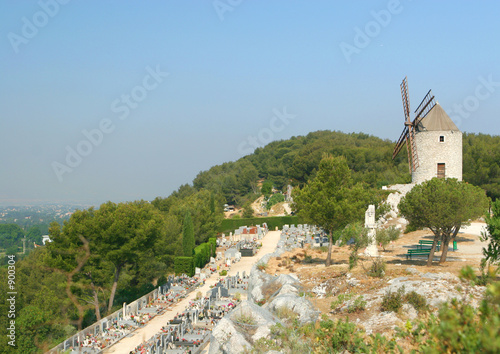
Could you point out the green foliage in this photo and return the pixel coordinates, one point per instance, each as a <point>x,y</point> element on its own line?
<point>247,210</point>
<point>223,273</point>
<point>202,255</point>
<point>443,205</point>
<point>419,302</point>
<point>492,252</point>
<point>188,235</point>
<point>385,236</point>
<point>488,274</point>
<point>357,236</point>
<point>267,188</point>
<point>11,236</point>
<point>275,199</point>
<point>246,319</point>
<point>184,265</point>
<point>262,266</point>
<point>331,200</point>
<point>481,153</point>
<point>340,336</point>
<point>377,268</point>
<point>393,301</point>
<point>460,328</point>
<point>354,303</point>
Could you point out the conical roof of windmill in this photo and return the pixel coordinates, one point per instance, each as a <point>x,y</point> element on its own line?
<point>436,120</point>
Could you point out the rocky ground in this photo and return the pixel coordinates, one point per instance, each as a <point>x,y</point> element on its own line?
<point>437,283</point>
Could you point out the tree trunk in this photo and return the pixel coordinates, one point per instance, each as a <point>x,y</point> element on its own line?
<point>445,246</point>
<point>329,257</point>
<point>113,288</point>
<point>433,248</point>
<point>96,304</point>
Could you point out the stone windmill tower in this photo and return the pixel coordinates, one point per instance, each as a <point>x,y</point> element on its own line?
<point>433,141</point>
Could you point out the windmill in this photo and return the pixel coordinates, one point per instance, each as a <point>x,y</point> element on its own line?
<point>408,135</point>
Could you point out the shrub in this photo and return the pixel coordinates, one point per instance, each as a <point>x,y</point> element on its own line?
<point>275,199</point>
<point>246,319</point>
<point>356,305</point>
<point>223,273</point>
<point>393,301</point>
<point>377,269</point>
<point>418,301</point>
<point>323,249</point>
<point>385,236</point>
<point>262,266</point>
<point>285,313</point>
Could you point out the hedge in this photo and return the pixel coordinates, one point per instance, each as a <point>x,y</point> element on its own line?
<point>184,265</point>
<point>201,255</point>
<point>229,225</point>
<point>213,244</point>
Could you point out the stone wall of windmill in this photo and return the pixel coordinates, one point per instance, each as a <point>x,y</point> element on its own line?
<point>438,147</point>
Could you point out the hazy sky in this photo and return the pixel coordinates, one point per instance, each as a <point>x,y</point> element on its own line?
<point>124,100</point>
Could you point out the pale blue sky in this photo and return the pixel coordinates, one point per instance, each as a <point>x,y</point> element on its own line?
<point>230,69</point>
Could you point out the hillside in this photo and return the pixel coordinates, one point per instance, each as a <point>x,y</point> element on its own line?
<point>295,160</point>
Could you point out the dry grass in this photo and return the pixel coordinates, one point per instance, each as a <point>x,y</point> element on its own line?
<point>334,276</point>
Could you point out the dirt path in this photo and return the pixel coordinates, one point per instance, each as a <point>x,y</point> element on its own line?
<point>154,326</point>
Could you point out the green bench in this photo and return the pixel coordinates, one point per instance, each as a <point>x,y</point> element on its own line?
<point>418,252</point>
<point>422,243</point>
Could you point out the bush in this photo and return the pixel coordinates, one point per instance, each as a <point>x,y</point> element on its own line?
<point>285,313</point>
<point>223,273</point>
<point>356,305</point>
<point>418,301</point>
<point>377,269</point>
<point>393,301</point>
<point>385,236</point>
<point>275,199</point>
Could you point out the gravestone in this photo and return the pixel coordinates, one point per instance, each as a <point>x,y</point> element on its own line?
<point>371,250</point>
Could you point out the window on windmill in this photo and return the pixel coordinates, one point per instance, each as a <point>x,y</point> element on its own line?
<point>441,139</point>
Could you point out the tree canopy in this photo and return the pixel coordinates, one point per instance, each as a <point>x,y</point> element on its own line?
<point>492,252</point>
<point>443,205</point>
<point>331,200</point>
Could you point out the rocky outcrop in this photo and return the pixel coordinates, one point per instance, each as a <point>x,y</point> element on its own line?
<point>249,322</point>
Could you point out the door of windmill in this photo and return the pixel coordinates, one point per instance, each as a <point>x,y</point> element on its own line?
<point>441,170</point>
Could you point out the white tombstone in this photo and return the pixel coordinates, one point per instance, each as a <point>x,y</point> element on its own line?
<point>212,260</point>
<point>370,216</point>
<point>197,271</point>
<point>371,250</point>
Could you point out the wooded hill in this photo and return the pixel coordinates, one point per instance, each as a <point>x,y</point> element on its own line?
<point>45,314</point>
<point>295,160</point>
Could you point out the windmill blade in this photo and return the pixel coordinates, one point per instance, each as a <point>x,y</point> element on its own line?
<point>406,99</point>
<point>424,107</point>
<point>401,141</point>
